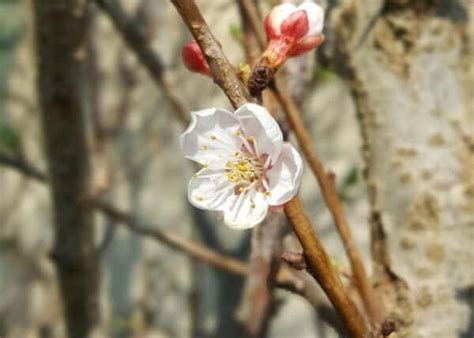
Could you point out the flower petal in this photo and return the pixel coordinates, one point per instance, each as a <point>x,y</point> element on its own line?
<point>295,26</point>
<point>245,210</point>
<point>306,44</point>
<point>259,123</point>
<point>285,176</point>
<point>273,20</point>
<point>210,138</point>
<point>315,15</point>
<point>210,189</point>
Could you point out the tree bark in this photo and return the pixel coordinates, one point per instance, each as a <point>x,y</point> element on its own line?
<point>407,66</point>
<point>61,34</point>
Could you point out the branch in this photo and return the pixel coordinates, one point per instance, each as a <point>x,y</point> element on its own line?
<point>253,18</point>
<point>223,72</point>
<point>138,43</point>
<point>232,87</point>
<point>173,240</point>
<point>327,187</point>
<point>61,36</point>
<point>320,268</point>
<point>22,167</point>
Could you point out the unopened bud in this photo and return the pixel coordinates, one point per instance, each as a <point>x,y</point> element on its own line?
<point>194,59</point>
<point>292,31</point>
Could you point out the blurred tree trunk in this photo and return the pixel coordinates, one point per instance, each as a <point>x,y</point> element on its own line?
<point>407,65</point>
<point>61,36</point>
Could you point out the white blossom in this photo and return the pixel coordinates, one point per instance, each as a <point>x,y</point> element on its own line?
<point>246,166</point>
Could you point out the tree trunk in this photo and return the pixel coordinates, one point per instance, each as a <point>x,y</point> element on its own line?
<point>61,35</point>
<point>407,66</point>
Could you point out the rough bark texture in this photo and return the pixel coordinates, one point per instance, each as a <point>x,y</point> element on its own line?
<point>406,66</point>
<point>60,38</point>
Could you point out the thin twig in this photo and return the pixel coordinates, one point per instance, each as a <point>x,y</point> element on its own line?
<point>232,87</point>
<point>173,240</point>
<point>254,21</point>
<point>327,187</point>
<point>138,43</point>
<point>22,167</point>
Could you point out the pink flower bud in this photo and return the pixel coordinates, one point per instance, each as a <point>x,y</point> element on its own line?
<point>194,59</point>
<point>292,31</point>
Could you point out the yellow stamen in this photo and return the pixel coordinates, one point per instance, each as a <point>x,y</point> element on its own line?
<point>243,166</point>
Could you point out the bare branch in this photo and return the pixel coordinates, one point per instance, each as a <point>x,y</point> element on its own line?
<point>173,240</point>
<point>138,43</point>
<point>61,34</point>
<point>22,166</point>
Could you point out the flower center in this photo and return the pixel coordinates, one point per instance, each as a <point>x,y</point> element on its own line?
<point>244,172</point>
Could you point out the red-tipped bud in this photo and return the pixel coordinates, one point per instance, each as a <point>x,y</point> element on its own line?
<point>292,31</point>
<point>194,59</point>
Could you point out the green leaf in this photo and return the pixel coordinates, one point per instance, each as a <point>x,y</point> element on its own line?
<point>322,73</point>
<point>352,178</point>
<point>9,138</point>
<point>235,31</point>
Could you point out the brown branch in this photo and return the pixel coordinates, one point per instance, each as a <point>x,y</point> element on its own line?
<point>327,187</point>
<point>320,268</point>
<point>22,167</point>
<point>232,87</point>
<point>173,240</point>
<point>61,37</point>
<point>253,18</point>
<point>223,72</point>
<point>138,43</point>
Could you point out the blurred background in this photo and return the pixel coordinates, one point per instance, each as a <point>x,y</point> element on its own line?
<point>388,100</point>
